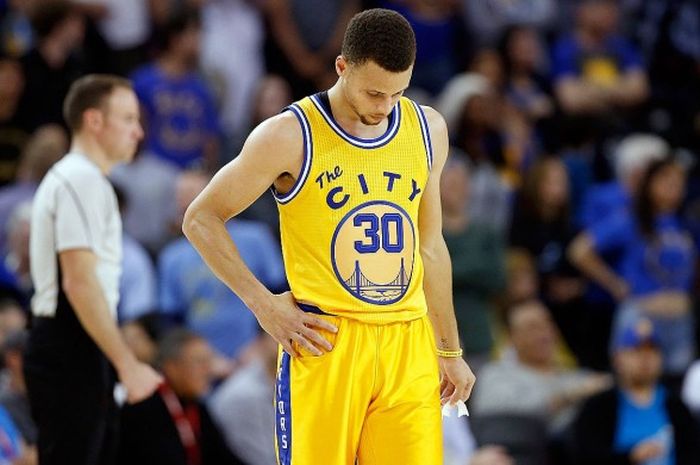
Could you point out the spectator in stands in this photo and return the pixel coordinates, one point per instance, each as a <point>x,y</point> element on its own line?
<point>14,268</point>
<point>639,421</point>
<point>140,335</point>
<point>303,45</point>
<point>478,265</point>
<point>52,65</point>
<point>234,72</point>
<point>488,20</point>
<point>470,106</point>
<point>670,33</point>
<point>525,86</point>
<point>542,225</point>
<point>179,110</point>
<point>13,135</point>
<point>12,319</point>
<point>45,147</point>
<point>596,70</point>
<point>631,159</point>
<point>14,398</point>
<point>153,178</point>
<point>126,27</point>
<point>657,263</point>
<point>174,427</point>
<point>531,384</point>
<point>600,203</point>
<point>441,39</point>
<point>137,283</point>
<point>189,292</point>
<point>241,405</point>
<point>522,280</point>
<point>16,34</point>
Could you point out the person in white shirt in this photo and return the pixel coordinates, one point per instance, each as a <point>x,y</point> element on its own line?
<point>75,255</point>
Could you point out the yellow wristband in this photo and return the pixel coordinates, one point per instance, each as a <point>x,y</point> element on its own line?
<point>449,353</point>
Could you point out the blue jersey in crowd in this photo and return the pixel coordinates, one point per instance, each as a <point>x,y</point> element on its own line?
<point>602,66</point>
<point>665,262</point>
<point>180,114</point>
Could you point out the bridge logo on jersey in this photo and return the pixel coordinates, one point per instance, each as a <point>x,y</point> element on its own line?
<point>372,252</point>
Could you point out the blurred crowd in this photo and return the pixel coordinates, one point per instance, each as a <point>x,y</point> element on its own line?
<point>571,208</point>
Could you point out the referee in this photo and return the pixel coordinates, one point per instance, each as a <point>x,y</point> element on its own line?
<point>75,251</point>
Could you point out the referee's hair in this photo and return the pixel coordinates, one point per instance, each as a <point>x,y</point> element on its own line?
<point>89,92</point>
<point>382,36</point>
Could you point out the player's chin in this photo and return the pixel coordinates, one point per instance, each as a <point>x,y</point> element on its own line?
<point>373,120</point>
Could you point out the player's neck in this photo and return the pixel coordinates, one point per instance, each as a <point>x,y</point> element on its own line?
<point>89,148</point>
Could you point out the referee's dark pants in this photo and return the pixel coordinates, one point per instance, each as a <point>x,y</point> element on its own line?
<point>70,385</point>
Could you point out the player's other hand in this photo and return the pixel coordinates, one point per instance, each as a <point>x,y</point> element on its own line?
<point>139,380</point>
<point>456,380</point>
<point>289,325</point>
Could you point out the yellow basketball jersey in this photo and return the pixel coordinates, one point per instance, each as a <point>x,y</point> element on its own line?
<point>349,225</point>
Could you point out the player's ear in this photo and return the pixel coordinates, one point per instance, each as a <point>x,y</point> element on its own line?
<point>341,65</point>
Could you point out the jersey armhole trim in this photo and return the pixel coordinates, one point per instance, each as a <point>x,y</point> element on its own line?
<point>306,165</point>
<point>425,132</point>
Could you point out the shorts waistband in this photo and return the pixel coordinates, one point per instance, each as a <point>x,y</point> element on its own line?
<point>313,309</point>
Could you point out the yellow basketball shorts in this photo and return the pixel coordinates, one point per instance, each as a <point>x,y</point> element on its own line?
<point>374,397</point>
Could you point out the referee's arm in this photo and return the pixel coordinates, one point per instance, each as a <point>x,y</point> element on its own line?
<point>83,290</point>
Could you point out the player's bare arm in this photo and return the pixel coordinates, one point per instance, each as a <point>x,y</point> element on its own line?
<point>272,155</point>
<point>457,377</point>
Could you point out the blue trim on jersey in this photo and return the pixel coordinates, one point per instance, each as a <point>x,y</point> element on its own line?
<point>308,153</point>
<point>392,130</point>
<point>283,412</point>
<point>312,309</point>
<point>426,134</point>
<point>337,271</point>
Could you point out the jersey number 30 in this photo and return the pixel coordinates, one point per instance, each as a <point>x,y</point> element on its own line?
<point>385,232</point>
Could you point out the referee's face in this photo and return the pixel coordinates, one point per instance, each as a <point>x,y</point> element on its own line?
<point>121,132</point>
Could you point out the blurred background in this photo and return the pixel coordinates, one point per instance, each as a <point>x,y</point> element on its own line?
<point>571,204</point>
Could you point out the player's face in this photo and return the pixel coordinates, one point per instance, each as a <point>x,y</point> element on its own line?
<point>370,90</point>
<point>121,130</point>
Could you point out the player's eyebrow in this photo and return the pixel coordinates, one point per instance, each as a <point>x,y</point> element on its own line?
<point>384,93</point>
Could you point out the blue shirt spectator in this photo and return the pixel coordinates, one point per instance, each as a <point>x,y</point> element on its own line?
<point>602,65</point>
<point>441,42</point>
<point>137,284</point>
<point>180,113</point>
<point>190,291</point>
<point>637,423</point>
<point>603,201</point>
<point>667,263</point>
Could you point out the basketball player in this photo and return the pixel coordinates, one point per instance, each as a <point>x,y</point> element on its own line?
<point>355,171</point>
<point>75,252</point>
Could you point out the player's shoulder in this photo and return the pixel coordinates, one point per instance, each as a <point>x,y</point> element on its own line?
<point>282,129</point>
<point>436,122</point>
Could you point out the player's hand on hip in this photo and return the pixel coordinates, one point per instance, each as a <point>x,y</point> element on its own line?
<point>457,380</point>
<point>288,324</point>
<point>140,381</point>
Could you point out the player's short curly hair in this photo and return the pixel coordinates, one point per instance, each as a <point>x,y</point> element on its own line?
<point>382,36</point>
